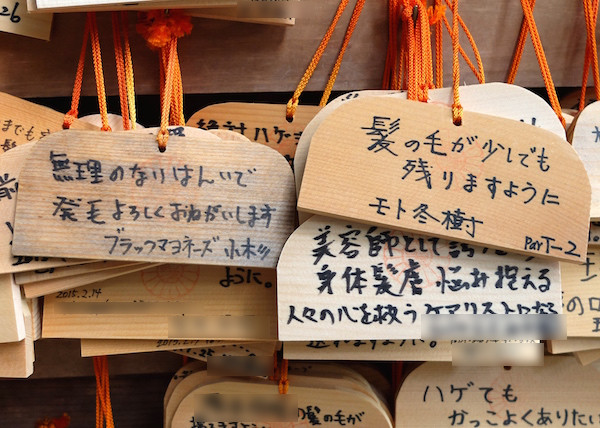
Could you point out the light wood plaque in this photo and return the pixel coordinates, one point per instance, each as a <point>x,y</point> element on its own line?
<point>15,19</point>
<point>94,347</point>
<point>496,99</point>
<point>147,304</point>
<point>115,196</point>
<point>497,395</point>
<point>581,295</point>
<point>586,141</point>
<point>403,164</point>
<point>11,164</point>
<point>339,280</point>
<point>25,122</point>
<point>12,325</point>
<point>259,122</point>
<point>368,350</point>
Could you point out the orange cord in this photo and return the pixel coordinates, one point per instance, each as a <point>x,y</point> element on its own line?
<point>543,63</point>
<point>400,69</point>
<point>73,113</point>
<point>129,70</point>
<point>103,405</point>
<point>457,110</point>
<point>284,383</point>
<point>439,55</point>
<point>590,8</point>
<point>121,75</point>
<point>338,62</point>
<point>161,29</point>
<point>479,74</point>
<point>163,133</point>
<point>293,102</point>
<point>518,53</point>
<point>98,71</point>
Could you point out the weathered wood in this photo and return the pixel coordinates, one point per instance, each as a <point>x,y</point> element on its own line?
<point>50,286</point>
<point>261,123</point>
<point>63,272</point>
<point>94,347</point>
<point>273,59</point>
<point>200,202</point>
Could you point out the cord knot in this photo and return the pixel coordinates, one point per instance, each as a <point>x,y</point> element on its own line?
<point>290,109</point>
<point>70,118</point>
<point>159,27</point>
<point>162,137</point>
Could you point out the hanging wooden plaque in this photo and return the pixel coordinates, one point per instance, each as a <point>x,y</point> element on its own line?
<point>260,123</point>
<point>11,164</point>
<point>559,393</point>
<point>25,122</point>
<point>94,347</point>
<point>50,286</point>
<point>581,295</point>
<point>338,280</point>
<point>12,326</point>
<point>115,121</point>
<point>496,99</point>
<point>249,349</point>
<point>15,19</point>
<point>586,142</point>
<point>403,164</point>
<point>169,301</point>
<point>184,131</point>
<point>360,408</point>
<point>572,344</point>
<point>16,358</point>
<point>29,277</point>
<point>115,196</point>
<point>588,357</point>
<point>369,350</point>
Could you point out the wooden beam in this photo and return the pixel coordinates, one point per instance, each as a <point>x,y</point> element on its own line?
<point>223,56</point>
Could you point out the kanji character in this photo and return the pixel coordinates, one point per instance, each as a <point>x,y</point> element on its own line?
<point>325,277</point>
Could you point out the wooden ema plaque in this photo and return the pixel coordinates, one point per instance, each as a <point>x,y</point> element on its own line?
<point>320,397</point>
<point>50,286</point>
<point>338,280</point>
<point>260,123</point>
<point>12,326</point>
<point>403,164</point>
<point>115,196</point>
<point>171,301</point>
<point>572,344</point>
<point>561,393</point>
<point>586,142</point>
<point>16,358</point>
<point>95,347</point>
<point>496,99</point>
<point>25,122</point>
<point>11,164</point>
<point>15,19</point>
<point>369,350</point>
<point>581,295</point>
